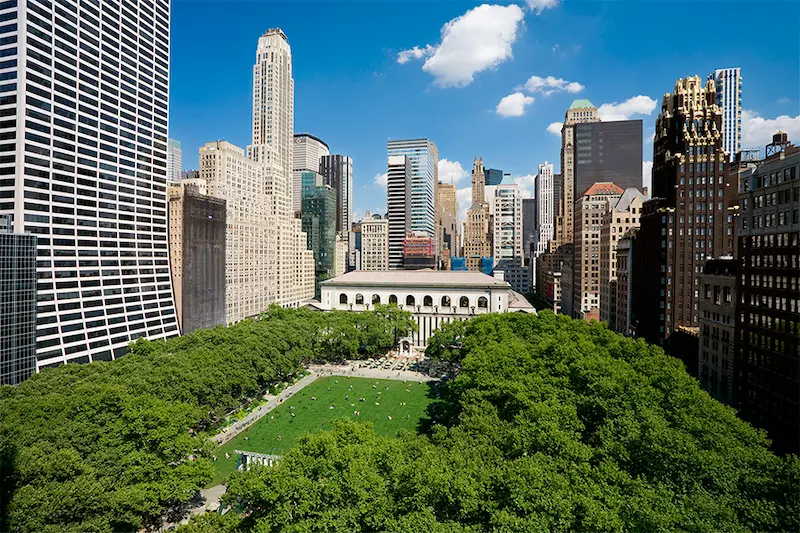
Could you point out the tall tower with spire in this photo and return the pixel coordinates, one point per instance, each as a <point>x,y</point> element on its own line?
<point>477,226</point>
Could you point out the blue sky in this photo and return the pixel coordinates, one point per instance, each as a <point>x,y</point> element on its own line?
<point>355,87</point>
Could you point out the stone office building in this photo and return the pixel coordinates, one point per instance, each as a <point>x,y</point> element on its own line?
<point>767,345</point>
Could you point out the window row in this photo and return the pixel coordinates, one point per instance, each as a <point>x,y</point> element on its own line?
<point>410,300</point>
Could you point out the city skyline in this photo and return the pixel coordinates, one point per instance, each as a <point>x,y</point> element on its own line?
<point>463,120</point>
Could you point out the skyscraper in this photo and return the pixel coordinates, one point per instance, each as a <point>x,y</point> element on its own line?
<point>687,221</point>
<point>319,221</point>
<point>543,215</point>
<point>607,151</point>
<point>507,242</point>
<point>267,259</point>
<point>477,226</point>
<point>89,180</point>
<point>251,234</point>
<point>581,111</point>
<point>338,173</point>
<point>306,154</point>
<point>423,160</point>
<point>398,190</point>
<point>766,370</point>
<point>728,82</point>
<point>447,223</point>
<point>272,147</point>
<point>174,160</point>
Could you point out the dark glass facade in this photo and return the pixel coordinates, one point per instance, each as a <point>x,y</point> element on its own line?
<point>492,176</point>
<point>608,151</point>
<point>17,307</point>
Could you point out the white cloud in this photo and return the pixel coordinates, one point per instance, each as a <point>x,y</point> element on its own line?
<point>638,105</point>
<point>550,85</point>
<point>464,198</point>
<point>381,180</point>
<point>784,100</point>
<point>757,131</point>
<point>537,6</point>
<point>414,53</point>
<point>478,40</point>
<point>647,176</point>
<point>451,171</point>
<point>525,185</point>
<point>513,105</point>
<point>555,128</point>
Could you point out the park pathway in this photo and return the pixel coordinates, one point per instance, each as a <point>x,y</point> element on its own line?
<point>272,402</point>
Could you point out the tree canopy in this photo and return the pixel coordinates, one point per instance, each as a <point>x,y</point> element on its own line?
<point>551,425</point>
<point>109,446</point>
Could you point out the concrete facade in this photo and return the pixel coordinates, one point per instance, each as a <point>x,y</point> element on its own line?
<point>622,216</point>
<point>197,235</point>
<point>374,244</point>
<point>589,212</point>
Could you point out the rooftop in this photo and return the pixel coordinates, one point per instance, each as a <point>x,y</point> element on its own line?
<point>441,278</point>
<point>605,188</point>
<point>581,104</point>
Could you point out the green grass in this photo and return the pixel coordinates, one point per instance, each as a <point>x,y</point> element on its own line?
<point>405,402</point>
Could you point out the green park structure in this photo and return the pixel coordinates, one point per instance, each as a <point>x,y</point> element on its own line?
<point>389,405</point>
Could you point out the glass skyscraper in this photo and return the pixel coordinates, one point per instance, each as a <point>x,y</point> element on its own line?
<point>728,84</point>
<point>423,159</point>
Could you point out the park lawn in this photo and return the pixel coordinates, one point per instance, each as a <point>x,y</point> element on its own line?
<point>405,402</point>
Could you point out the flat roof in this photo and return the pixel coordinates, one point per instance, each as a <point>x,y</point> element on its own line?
<point>439,278</point>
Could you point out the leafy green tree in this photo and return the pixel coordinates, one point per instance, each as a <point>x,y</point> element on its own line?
<point>553,425</point>
<point>111,446</point>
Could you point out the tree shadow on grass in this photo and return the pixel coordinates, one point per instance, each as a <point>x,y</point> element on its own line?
<point>443,409</point>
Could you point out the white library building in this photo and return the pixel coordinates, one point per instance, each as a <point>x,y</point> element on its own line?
<point>434,297</point>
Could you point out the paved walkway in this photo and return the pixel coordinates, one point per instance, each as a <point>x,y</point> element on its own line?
<point>272,402</point>
<point>351,370</point>
<point>212,495</point>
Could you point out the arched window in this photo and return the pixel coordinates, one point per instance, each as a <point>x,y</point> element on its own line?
<point>376,299</point>
<point>393,299</point>
<point>427,301</point>
<point>483,302</point>
<point>410,300</point>
<point>463,302</point>
<point>343,298</point>
<point>359,299</point>
<point>445,301</point>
